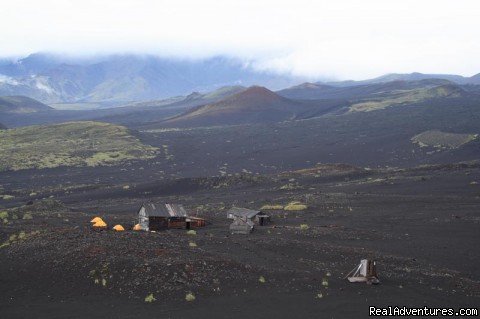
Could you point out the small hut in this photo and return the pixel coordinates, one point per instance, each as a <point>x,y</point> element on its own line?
<point>255,216</point>
<point>241,226</point>
<point>158,217</point>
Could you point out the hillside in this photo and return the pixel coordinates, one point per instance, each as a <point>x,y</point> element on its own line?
<point>69,144</point>
<point>313,91</point>
<point>409,77</point>
<point>21,104</point>
<point>253,105</point>
<point>2,127</point>
<point>405,97</point>
<point>124,78</point>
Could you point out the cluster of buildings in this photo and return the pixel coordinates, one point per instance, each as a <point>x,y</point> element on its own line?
<point>152,217</point>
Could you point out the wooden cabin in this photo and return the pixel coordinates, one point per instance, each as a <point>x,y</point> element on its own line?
<point>154,217</point>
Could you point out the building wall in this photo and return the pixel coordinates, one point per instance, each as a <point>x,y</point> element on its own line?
<point>143,219</point>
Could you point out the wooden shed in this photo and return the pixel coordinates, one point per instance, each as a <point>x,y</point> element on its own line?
<point>158,217</point>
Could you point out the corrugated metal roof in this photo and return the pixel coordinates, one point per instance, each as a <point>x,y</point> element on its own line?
<point>243,212</point>
<point>176,210</point>
<point>165,210</point>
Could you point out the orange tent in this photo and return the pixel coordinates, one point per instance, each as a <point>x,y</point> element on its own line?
<point>137,227</point>
<point>96,219</point>
<point>100,224</point>
<point>118,228</point>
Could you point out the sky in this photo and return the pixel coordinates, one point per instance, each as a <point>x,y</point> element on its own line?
<point>340,39</point>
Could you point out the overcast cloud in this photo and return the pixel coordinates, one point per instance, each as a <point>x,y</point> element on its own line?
<point>340,39</point>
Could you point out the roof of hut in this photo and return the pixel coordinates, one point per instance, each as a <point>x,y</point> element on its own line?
<point>243,212</point>
<point>165,210</point>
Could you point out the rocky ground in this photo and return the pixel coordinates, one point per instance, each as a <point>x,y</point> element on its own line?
<point>421,226</point>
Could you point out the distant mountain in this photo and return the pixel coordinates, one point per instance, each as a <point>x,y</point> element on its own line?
<point>124,78</point>
<point>2,127</point>
<point>410,77</point>
<point>253,105</point>
<point>411,97</point>
<point>193,99</point>
<point>475,79</point>
<point>307,91</point>
<point>311,91</point>
<point>21,104</point>
<point>128,114</point>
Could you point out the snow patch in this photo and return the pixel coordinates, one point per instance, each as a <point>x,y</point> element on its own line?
<point>43,86</point>
<point>8,80</point>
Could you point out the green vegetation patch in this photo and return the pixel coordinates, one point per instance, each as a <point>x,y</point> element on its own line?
<point>295,206</point>
<point>272,207</point>
<point>402,97</point>
<point>69,144</point>
<point>440,139</point>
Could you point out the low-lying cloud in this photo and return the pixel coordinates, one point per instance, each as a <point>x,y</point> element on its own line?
<point>318,39</point>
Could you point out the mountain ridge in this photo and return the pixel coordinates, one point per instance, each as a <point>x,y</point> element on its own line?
<point>21,104</point>
<point>125,78</point>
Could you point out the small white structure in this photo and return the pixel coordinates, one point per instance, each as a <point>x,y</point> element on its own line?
<point>255,216</point>
<point>241,226</point>
<point>366,272</point>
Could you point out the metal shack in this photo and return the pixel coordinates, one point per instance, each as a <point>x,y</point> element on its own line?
<point>255,216</point>
<point>241,226</point>
<point>158,217</point>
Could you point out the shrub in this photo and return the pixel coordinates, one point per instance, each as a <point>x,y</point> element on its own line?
<point>304,227</point>
<point>27,216</point>
<point>3,215</point>
<point>190,297</point>
<point>150,298</point>
<point>5,244</point>
<point>271,207</point>
<point>192,244</point>
<point>191,232</point>
<point>262,279</point>
<point>295,206</point>
<point>325,282</point>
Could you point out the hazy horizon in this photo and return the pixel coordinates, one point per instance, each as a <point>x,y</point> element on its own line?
<point>339,40</point>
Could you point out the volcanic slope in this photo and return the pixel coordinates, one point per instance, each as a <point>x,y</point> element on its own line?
<point>21,104</point>
<point>253,106</point>
<point>69,144</point>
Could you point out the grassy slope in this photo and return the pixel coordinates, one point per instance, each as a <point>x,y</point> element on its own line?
<point>407,97</point>
<point>69,144</point>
